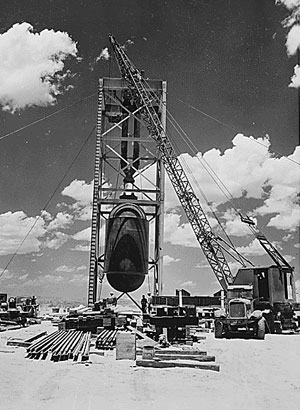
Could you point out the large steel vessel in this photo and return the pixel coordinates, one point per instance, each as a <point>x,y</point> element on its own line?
<point>126,247</point>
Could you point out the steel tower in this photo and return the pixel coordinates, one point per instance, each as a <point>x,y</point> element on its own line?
<point>128,168</point>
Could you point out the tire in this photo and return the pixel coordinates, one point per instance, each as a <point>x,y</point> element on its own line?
<point>261,329</point>
<point>278,329</point>
<point>219,330</point>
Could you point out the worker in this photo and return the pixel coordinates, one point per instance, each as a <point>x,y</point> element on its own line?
<point>144,304</point>
<point>112,300</point>
<point>163,341</point>
<point>149,302</point>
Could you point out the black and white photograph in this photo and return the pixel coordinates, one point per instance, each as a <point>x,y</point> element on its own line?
<point>149,204</point>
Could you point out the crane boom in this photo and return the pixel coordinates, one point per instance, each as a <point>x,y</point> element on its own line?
<point>274,254</point>
<point>190,203</point>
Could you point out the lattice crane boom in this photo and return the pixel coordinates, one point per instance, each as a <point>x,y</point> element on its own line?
<point>190,203</point>
<point>270,249</point>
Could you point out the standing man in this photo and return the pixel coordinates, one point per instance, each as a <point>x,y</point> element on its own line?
<point>112,300</point>
<point>144,304</point>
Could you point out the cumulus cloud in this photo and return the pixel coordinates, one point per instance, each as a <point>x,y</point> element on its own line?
<point>249,170</point>
<point>293,36</point>
<point>82,248</point>
<point>32,66</point>
<point>14,226</point>
<point>83,235</point>
<point>36,233</point>
<point>56,240</point>
<point>178,233</point>
<point>290,221</point>
<point>295,80</point>
<point>167,260</point>
<point>64,268</point>
<point>82,193</point>
<point>293,40</point>
<point>294,7</point>
<point>61,221</point>
<point>104,55</point>
<point>254,248</point>
<point>233,224</point>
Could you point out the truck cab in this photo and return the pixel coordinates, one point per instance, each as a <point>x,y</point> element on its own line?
<point>259,300</point>
<point>239,314</point>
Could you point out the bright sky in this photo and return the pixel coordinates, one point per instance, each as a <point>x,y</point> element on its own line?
<point>234,61</point>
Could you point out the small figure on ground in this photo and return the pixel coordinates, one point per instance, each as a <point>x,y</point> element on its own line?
<point>162,339</point>
<point>112,300</point>
<point>144,304</point>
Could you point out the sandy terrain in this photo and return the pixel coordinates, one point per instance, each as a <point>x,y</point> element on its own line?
<point>254,375</point>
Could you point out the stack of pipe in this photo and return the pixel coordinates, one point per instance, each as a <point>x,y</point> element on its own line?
<point>62,345</point>
<point>106,339</point>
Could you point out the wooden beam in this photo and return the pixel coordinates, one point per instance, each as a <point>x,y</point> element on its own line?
<point>161,364</point>
<point>199,358</point>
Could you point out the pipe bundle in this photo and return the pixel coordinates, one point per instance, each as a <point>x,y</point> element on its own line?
<point>106,339</point>
<point>61,345</point>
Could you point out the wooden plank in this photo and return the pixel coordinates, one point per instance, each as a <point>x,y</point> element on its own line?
<point>19,343</point>
<point>8,322</point>
<point>144,340</point>
<point>199,358</point>
<point>182,352</point>
<point>37,336</point>
<point>161,364</point>
<point>3,329</point>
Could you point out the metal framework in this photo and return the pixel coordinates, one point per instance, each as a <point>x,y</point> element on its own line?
<point>146,101</point>
<point>128,168</point>
<point>270,249</point>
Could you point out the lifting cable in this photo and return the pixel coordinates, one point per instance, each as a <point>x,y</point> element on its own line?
<point>185,137</point>
<point>231,245</point>
<point>49,200</point>
<point>234,129</point>
<point>215,178</point>
<point>210,171</point>
<point>213,175</point>
<point>193,148</point>
<point>46,117</point>
<point>207,167</point>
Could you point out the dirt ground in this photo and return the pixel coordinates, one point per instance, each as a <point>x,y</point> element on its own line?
<point>254,375</point>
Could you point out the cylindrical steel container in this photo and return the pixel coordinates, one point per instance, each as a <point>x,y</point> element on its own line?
<point>126,247</point>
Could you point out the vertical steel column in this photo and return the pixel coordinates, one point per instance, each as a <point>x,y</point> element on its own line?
<point>159,219</point>
<point>94,249</point>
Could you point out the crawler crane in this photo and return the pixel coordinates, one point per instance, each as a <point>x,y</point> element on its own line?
<point>250,286</point>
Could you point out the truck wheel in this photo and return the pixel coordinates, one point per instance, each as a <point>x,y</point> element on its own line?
<point>218,330</point>
<point>261,329</point>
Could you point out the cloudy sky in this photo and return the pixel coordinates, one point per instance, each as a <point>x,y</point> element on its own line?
<point>232,76</point>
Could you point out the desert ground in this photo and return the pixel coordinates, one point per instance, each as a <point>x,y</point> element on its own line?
<point>254,375</point>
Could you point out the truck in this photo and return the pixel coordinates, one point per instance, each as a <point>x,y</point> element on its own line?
<point>259,301</point>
